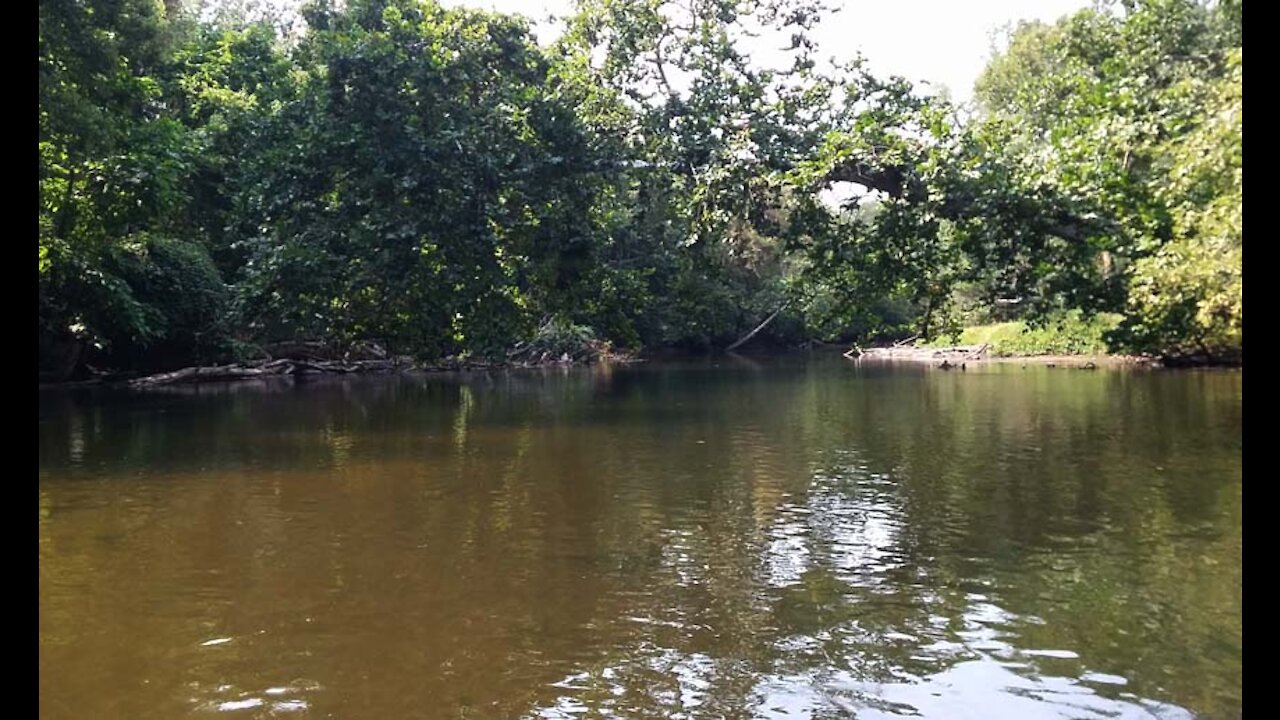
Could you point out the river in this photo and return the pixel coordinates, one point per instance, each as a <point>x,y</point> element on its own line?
<point>786,537</point>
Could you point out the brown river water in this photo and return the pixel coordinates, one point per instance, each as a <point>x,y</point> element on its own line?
<point>789,537</point>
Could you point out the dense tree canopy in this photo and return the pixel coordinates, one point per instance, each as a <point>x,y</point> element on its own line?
<point>436,180</point>
<point>1133,119</point>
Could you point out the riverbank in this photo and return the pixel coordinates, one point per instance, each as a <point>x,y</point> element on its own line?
<point>957,357</point>
<point>1067,333</point>
<point>306,367</point>
<point>1067,339</point>
<point>962,356</point>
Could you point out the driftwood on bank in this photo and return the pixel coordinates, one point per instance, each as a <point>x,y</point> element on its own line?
<point>955,357</point>
<point>294,367</point>
<point>589,351</point>
<point>266,368</point>
<point>947,355</point>
<point>289,358</point>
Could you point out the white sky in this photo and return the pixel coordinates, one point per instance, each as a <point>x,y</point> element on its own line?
<point>943,42</point>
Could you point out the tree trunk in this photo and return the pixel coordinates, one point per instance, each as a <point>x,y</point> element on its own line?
<point>60,360</point>
<point>759,327</point>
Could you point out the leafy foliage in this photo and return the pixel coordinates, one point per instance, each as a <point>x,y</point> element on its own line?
<point>1132,121</point>
<point>1188,298</point>
<point>559,339</point>
<point>1067,333</point>
<point>435,180</point>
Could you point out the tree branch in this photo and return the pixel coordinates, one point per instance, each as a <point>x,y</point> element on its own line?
<point>662,71</point>
<point>888,181</point>
<point>896,182</point>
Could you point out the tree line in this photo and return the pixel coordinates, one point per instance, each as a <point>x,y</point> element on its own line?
<point>437,181</point>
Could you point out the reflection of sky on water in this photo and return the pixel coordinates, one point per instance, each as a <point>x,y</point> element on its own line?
<point>974,689</point>
<point>891,649</point>
<point>280,699</point>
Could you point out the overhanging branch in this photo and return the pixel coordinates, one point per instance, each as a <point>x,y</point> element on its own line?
<point>896,182</point>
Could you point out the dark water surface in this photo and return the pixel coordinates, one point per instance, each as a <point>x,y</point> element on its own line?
<point>785,538</point>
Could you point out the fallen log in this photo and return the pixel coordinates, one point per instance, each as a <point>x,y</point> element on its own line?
<point>267,368</point>
<point>952,356</point>
<point>758,328</point>
<point>201,374</point>
<point>282,367</point>
<point>913,338</point>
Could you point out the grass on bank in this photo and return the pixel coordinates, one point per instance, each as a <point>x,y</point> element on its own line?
<point>1066,334</point>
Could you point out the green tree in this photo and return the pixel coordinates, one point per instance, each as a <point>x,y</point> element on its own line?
<point>112,169</point>
<point>421,187</point>
<point>1128,124</point>
<point>435,180</point>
